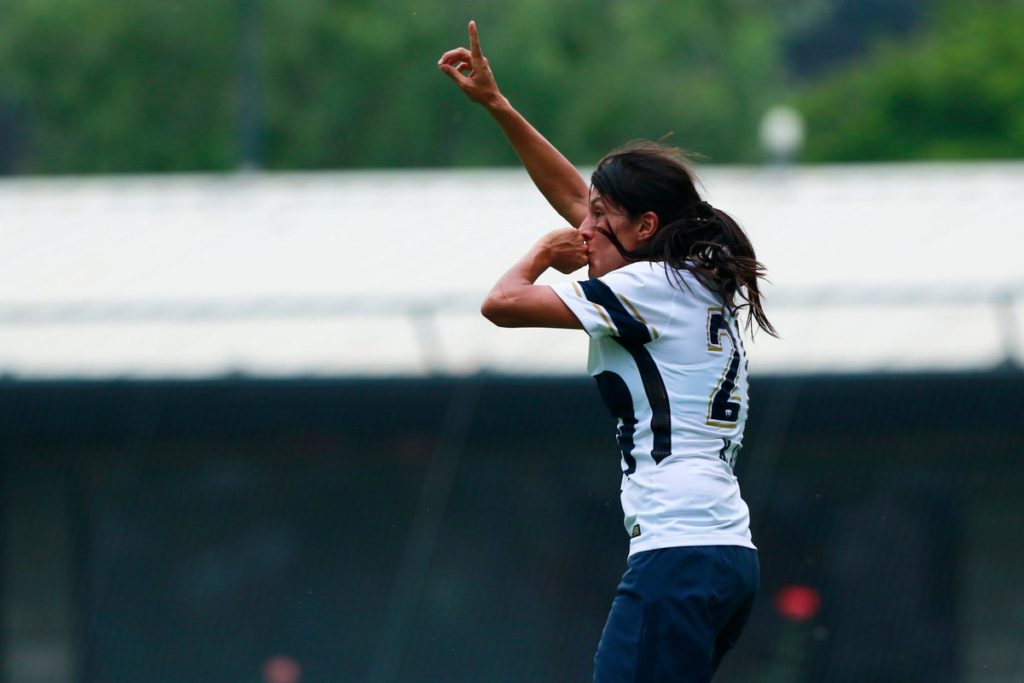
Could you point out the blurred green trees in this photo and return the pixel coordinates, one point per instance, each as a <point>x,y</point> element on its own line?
<point>155,85</point>
<point>956,92</point>
<point>96,86</point>
<point>176,85</point>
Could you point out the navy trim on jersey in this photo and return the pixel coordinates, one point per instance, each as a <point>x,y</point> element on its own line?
<point>630,329</point>
<point>615,393</point>
<point>657,396</point>
<point>633,334</point>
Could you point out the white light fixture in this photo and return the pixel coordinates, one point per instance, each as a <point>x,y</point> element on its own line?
<point>782,133</point>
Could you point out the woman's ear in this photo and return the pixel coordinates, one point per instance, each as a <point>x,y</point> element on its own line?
<point>648,226</point>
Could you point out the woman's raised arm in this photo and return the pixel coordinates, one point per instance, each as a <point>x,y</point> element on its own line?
<point>553,174</point>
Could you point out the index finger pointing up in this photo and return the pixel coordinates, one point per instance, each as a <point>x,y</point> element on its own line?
<point>474,41</point>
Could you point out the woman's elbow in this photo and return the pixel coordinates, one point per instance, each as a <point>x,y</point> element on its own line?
<point>495,309</point>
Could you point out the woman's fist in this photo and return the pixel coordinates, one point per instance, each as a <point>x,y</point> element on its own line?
<point>566,249</point>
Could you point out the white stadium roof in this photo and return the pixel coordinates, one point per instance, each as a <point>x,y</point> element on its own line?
<point>874,268</point>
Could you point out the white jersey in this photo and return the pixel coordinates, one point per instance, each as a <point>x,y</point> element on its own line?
<point>670,366</point>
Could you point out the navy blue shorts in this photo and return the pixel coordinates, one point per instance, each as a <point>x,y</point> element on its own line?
<point>676,613</point>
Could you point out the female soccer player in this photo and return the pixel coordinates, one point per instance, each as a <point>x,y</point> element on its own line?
<point>668,274</point>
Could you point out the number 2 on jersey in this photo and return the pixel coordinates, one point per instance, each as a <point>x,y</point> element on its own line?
<point>724,407</point>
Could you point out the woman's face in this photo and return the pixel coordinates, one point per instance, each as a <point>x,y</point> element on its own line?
<point>605,215</point>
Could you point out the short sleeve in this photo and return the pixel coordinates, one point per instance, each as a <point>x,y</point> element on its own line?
<point>630,303</point>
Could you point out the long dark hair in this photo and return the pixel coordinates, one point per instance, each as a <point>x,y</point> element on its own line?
<point>692,235</point>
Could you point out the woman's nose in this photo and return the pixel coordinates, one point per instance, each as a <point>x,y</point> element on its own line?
<point>587,229</point>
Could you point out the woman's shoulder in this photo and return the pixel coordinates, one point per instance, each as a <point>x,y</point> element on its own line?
<point>638,271</point>
<point>662,276</point>
<point>636,277</point>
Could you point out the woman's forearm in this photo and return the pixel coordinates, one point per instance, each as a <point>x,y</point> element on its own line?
<point>556,178</point>
<point>553,174</point>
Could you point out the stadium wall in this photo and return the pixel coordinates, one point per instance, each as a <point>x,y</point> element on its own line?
<point>468,529</point>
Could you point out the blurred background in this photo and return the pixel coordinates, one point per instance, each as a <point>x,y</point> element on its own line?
<point>253,429</point>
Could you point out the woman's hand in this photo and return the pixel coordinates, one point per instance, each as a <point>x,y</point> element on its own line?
<point>565,249</point>
<point>471,72</point>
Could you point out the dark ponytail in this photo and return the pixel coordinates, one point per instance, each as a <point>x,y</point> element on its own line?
<point>692,235</point>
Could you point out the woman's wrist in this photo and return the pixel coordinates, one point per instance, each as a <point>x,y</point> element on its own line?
<point>536,261</point>
<point>496,104</point>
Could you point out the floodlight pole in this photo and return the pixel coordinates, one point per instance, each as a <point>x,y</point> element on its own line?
<point>249,84</point>
<point>1009,330</point>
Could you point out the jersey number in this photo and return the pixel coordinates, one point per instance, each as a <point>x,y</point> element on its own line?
<point>724,407</point>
